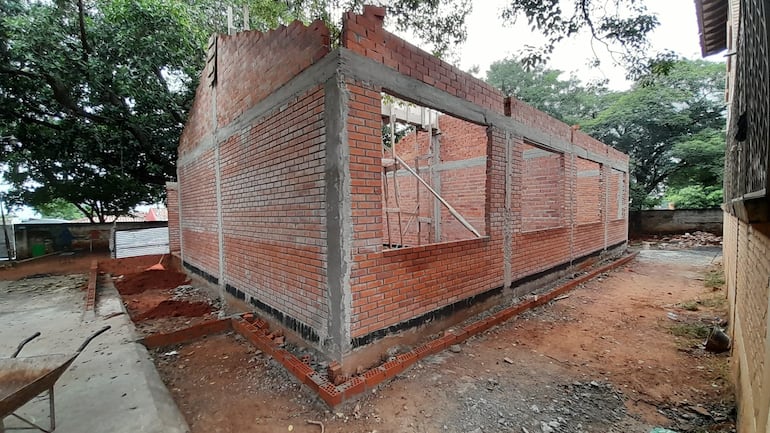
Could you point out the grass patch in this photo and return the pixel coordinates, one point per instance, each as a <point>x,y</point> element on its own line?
<point>690,305</point>
<point>717,302</point>
<point>695,331</point>
<point>715,279</point>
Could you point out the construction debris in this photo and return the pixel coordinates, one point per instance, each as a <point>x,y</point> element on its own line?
<point>685,241</point>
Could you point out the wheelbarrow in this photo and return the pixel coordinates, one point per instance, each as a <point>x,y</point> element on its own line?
<point>22,379</point>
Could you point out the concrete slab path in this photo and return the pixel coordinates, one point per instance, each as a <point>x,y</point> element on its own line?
<point>112,386</point>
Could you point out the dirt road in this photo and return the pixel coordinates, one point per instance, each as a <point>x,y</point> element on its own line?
<point>618,355</point>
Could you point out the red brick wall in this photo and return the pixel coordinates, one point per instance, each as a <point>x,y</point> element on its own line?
<point>172,204</point>
<point>392,286</point>
<point>542,189</point>
<point>273,194</point>
<point>252,65</point>
<point>616,195</point>
<point>464,188</point>
<point>590,195</point>
<point>272,186</point>
<point>364,35</point>
<point>272,174</point>
<point>199,213</point>
<point>747,273</point>
<point>397,285</point>
<point>199,125</point>
<point>364,127</point>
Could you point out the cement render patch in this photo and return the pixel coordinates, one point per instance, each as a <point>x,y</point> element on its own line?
<point>112,386</point>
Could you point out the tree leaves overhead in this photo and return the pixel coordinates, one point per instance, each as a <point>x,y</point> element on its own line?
<point>94,96</point>
<point>671,125</point>
<point>568,100</point>
<point>94,93</point>
<point>439,23</point>
<point>620,27</point>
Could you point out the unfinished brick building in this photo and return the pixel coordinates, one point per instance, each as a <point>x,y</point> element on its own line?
<point>289,199</point>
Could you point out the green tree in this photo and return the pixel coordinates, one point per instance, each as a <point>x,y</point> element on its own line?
<point>94,93</point>
<point>622,28</point>
<point>94,98</point>
<point>695,197</point>
<point>670,127</point>
<point>59,208</point>
<point>568,100</point>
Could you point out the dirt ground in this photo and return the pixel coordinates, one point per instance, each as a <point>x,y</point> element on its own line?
<point>620,354</point>
<point>57,264</point>
<point>162,301</point>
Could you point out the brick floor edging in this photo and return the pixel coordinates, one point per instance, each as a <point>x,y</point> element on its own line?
<point>257,332</point>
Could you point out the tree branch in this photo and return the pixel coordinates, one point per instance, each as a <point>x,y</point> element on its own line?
<point>82,26</point>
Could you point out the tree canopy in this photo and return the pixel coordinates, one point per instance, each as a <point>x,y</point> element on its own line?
<point>59,208</point>
<point>94,94</point>
<point>94,97</point>
<point>671,125</point>
<point>621,28</point>
<point>568,100</point>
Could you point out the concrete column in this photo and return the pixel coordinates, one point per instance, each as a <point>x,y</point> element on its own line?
<point>339,218</point>
<point>508,215</point>
<point>604,177</point>
<point>218,193</point>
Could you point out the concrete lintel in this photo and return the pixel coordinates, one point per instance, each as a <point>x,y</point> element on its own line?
<point>450,165</point>
<point>589,173</point>
<point>537,153</point>
<point>339,218</point>
<point>318,73</point>
<point>206,143</point>
<point>420,93</point>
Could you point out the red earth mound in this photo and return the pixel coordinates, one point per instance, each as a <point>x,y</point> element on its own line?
<point>150,280</point>
<point>172,308</point>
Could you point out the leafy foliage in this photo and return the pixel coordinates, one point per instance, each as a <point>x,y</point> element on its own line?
<point>94,93</point>
<point>59,208</point>
<point>621,27</point>
<point>567,100</point>
<point>670,126</point>
<point>695,197</point>
<point>94,98</point>
<point>440,24</point>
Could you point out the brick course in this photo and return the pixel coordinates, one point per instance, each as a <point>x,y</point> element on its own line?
<point>747,274</point>
<point>255,192</point>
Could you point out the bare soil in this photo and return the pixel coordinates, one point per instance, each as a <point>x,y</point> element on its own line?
<point>160,300</point>
<point>622,353</point>
<point>133,284</point>
<point>173,308</point>
<point>59,264</point>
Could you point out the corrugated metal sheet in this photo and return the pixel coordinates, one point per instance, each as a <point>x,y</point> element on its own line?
<point>142,242</point>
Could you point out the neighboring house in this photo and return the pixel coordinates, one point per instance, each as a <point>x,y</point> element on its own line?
<point>109,219</point>
<point>741,27</point>
<point>287,200</point>
<point>153,214</point>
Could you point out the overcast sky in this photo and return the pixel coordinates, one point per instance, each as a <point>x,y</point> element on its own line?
<point>489,39</point>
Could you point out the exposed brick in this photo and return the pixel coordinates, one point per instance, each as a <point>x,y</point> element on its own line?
<point>352,387</point>
<point>374,376</point>
<point>542,207</point>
